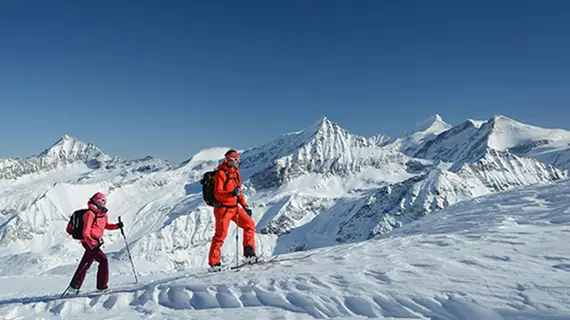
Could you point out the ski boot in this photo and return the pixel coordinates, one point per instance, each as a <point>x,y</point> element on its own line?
<point>249,255</point>
<point>72,291</point>
<point>215,268</point>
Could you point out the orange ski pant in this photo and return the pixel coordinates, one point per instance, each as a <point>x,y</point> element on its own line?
<point>223,217</point>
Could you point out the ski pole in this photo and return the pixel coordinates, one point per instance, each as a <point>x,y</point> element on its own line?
<point>129,252</point>
<point>237,232</point>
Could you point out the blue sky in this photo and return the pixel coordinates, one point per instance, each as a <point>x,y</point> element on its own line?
<point>131,75</point>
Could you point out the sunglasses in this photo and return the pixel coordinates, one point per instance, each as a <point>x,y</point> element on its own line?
<point>102,200</point>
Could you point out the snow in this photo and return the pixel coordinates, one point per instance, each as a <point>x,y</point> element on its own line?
<point>509,133</point>
<point>322,189</point>
<point>471,139</point>
<point>208,155</point>
<point>318,187</point>
<point>499,256</point>
<point>477,123</point>
<point>423,132</point>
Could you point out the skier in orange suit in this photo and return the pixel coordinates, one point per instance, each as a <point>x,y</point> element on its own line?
<point>227,191</point>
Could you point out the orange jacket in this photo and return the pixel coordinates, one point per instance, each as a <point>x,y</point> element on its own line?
<point>223,189</point>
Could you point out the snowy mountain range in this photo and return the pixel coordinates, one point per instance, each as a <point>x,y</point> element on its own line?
<point>313,188</point>
<point>471,139</point>
<point>70,152</point>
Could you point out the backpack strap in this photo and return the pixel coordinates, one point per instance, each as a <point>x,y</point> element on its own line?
<point>95,216</point>
<point>228,178</point>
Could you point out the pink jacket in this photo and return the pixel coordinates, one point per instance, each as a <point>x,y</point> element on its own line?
<point>94,229</point>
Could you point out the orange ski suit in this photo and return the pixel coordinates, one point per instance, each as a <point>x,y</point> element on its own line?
<point>227,211</point>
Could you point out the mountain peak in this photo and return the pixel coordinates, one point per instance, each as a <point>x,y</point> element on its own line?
<point>324,126</point>
<point>323,122</point>
<point>504,120</point>
<point>67,137</point>
<point>316,145</point>
<point>431,125</point>
<point>66,145</point>
<point>70,149</point>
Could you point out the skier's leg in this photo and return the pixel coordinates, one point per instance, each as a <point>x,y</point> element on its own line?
<point>82,268</point>
<point>248,225</point>
<point>223,216</point>
<point>102,270</point>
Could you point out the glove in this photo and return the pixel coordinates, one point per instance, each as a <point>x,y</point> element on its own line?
<point>120,224</point>
<point>248,211</point>
<point>99,244</point>
<point>235,193</point>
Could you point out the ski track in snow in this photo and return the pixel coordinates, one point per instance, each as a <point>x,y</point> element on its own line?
<point>498,257</point>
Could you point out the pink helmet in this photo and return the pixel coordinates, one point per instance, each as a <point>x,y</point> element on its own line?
<point>98,197</point>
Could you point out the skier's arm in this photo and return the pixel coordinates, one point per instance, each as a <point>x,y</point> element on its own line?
<point>219,192</point>
<point>88,218</point>
<point>112,226</point>
<point>242,199</point>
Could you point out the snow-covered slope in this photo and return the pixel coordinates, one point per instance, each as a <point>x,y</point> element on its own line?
<point>497,257</point>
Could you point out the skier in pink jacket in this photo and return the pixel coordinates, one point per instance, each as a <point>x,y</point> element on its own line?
<point>94,225</point>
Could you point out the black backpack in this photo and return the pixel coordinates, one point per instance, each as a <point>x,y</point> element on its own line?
<point>208,187</point>
<point>76,222</point>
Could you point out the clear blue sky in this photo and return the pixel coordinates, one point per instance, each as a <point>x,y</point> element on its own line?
<point>167,78</point>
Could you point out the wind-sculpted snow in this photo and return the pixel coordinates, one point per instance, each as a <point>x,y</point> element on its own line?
<point>479,259</point>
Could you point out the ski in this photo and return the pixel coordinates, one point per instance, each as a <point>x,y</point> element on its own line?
<point>96,292</point>
<point>260,260</point>
<point>233,267</point>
